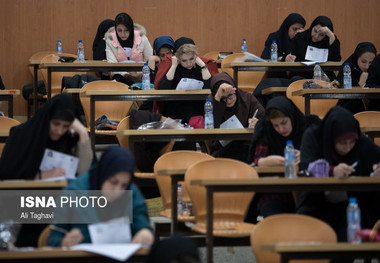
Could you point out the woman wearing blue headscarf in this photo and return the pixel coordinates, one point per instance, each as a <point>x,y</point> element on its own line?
<point>112,174</point>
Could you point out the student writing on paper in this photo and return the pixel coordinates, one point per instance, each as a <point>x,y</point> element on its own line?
<point>127,42</point>
<point>282,121</point>
<point>185,63</point>
<point>113,172</point>
<point>338,140</point>
<point>55,126</point>
<point>359,63</point>
<point>319,35</point>
<point>229,100</point>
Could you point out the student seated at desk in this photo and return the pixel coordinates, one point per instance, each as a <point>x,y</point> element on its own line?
<point>319,35</point>
<point>127,42</point>
<point>359,63</point>
<point>373,81</point>
<point>282,121</point>
<point>185,63</point>
<point>228,100</point>
<point>113,172</point>
<point>339,141</point>
<point>55,126</point>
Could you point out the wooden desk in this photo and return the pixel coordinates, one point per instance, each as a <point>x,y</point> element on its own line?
<point>164,135</point>
<point>274,91</point>
<point>3,136</point>
<point>138,95</point>
<point>316,250</point>
<point>278,66</point>
<point>354,93</point>
<point>8,95</point>
<point>87,66</point>
<point>59,255</point>
<point>35,64</point>
<point>277,185</point>
<point>372,132</point>
<point>31,184</point>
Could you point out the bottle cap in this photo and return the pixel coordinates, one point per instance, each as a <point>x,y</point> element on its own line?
<point>346,64</point>
<point>80,41</point>
<point>208,99</point>
<point>289,142</point>
<point>179,184</point>
<point>352,200</point>
<point>244,39</point>
<point>59,40</point>
<point>274,41</point>
<point>316,63</point>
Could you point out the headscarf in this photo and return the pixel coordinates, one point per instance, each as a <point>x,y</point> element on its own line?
<point>99,44</point>
<point>181,41</point>
<point>284,42</point>
<point>115,159</point>
<point>172,249</point>
<point>323,21</point>
<point>126,20</point>
<point>243,108</point>
<point>26,144</point>
<point>160,41</point>
<point>265,132</point>
<point>360,49</point>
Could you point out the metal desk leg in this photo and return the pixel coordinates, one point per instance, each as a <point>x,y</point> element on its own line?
<point>10,106</point>
<point>209,225</point>
<point>92,122</point>
<point>174,226</point>
<point>236,74</point>
<point>49,84</point>
<point>307,105</point>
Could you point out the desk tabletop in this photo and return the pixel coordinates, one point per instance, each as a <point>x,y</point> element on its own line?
<point>320,247</point>
<point>31,184</point>
<point>169,132</point>
<point>10,92</point>
<point>273,90</point>
<point>354,90</point>
<point>88,93</point>
<point>4,133</point>
<point>279,64</point>
<point>72,91</point>
<point>90,63</point>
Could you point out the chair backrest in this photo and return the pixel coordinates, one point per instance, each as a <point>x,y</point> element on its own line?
<point>229,208</point>
<point>212,54</point>
<point>247,80</point>
<point>175,160</point>
<point>56,77</point>
<point>288,228</point>
<point>37,57</point>
<point>317,107</point>
<point>369,119</point>
<point>5,125</point>
<point>115,110</point>
<point>43,238</point>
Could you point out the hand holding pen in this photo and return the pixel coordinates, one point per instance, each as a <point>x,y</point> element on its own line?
<point>376,170</point>
<point>252,121</point>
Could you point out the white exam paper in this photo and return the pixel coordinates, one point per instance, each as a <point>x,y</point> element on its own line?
<point>231,123</point>
<point>316,54</point>
<point>120,252</point>
<point>115,231</point>
<point>189,84</point>
<point>53,159</point>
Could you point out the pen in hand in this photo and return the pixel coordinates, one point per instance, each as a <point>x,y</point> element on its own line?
<point>377,167</point>
<point>58,229</point>
<point>254,115</point>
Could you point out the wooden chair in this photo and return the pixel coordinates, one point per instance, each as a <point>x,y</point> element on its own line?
<point>248,80</point>
<point>56,77</point>
<point>229,208</point>
<point>369,119</point>
<point>43,238</point>
<point>5,125</point>
<point>175,160</point>
<point>114,110</point>
<point>317,107</point>
<point>123,141</point>
<point>212,54</point>
<point>288,228</point>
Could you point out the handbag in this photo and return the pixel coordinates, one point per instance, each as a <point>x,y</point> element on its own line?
<point>369,235</point>
<point>197,122</point>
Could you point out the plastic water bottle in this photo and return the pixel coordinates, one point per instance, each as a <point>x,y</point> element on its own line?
<point>179,200</point>
<point>80,52</point>
<point>273,52</point>
<point>347,80</point>
<point>317,71</point>
<point>353,221</point>
<point>244,46</point>
<point>145,77</point>
<point>59,47</point>
<point>209,116</point>
<point>290,160</point>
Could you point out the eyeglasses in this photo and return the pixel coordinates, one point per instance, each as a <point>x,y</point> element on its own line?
<point>229,97</point>
<point>162,55</point>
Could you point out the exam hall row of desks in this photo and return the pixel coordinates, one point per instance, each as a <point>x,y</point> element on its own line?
<point>274,184</point>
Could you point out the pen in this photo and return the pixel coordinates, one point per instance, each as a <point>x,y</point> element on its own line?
<point>254,115</point>
<point>355,164</point>
<point>58,229</point>
<point>378,166</point>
